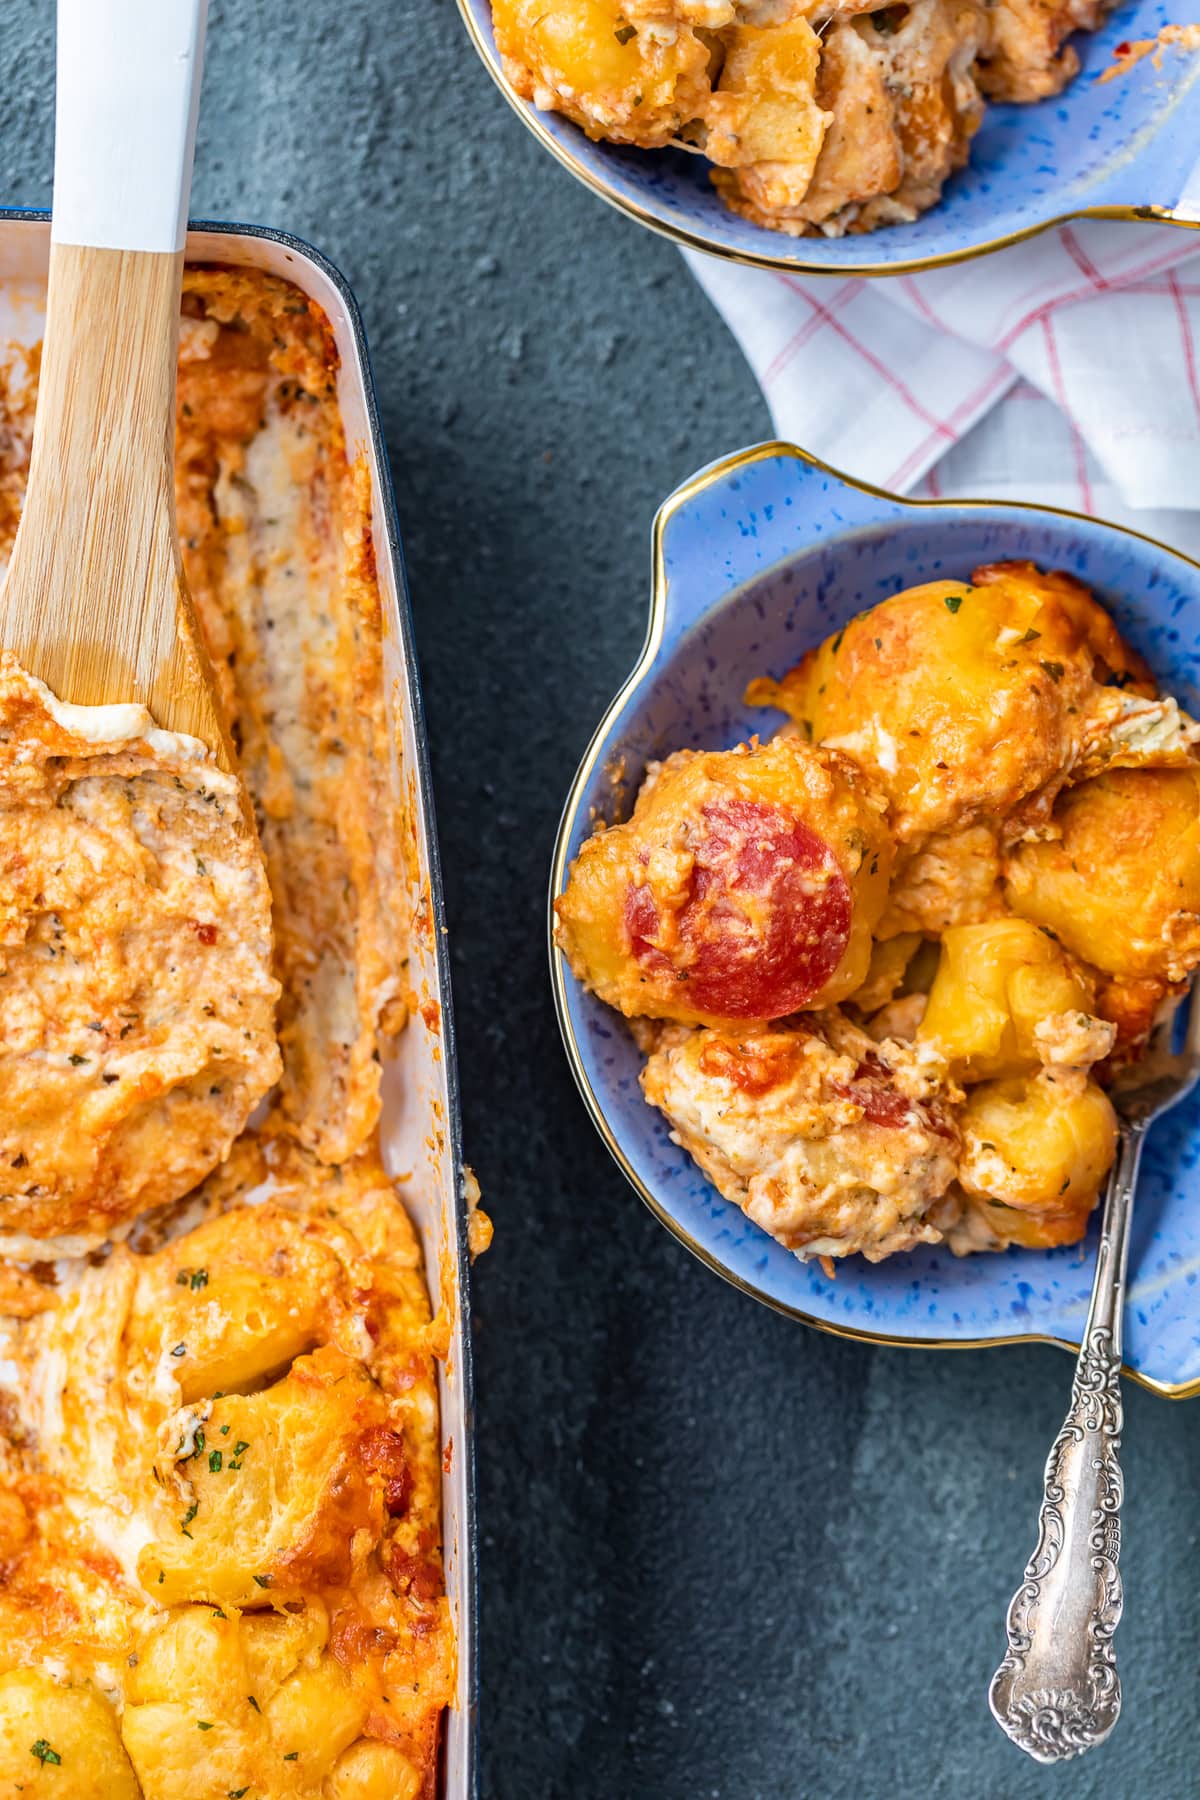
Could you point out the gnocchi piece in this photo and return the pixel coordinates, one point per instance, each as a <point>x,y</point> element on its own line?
<point>274,1502</point>
<point>1119,883</point>
<point>746,885</point>
<point>182,1755</point>
<point>897,90</point>
<point>764,120</point>
<point>244,1295</point>
<point>370,1770</point>
<point>1035,1152</point>
<point>60,1740</point>
<point>998,987</point>
<point>275,1709</point>
<point>195,1656</point>
<point>632,81</point>
<point>317,1713</point>
<point>833,1143</point>
<point>961,702</point>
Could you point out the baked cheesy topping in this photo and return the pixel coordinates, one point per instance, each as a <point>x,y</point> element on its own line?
<point>986,777</point>
<point>220,1463</point>
<point>221,1493</point>
<point>137,1003</point>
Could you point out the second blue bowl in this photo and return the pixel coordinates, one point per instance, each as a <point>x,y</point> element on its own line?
<point>1126,149</point>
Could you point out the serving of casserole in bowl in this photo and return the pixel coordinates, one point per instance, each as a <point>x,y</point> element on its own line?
<point>882,864</point>
<point>862,139</point>
<point>236,1528</point>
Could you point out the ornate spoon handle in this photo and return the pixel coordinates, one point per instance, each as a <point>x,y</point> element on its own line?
<point>1057,1692</point>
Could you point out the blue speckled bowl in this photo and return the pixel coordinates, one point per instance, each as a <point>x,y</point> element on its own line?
<point>1121,150</point>
<point>755,559</point>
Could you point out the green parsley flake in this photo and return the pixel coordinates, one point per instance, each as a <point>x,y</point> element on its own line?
<point>263,1581</point>
<point>214,1462</point>
<point>204,1724</point>
<point>44,1752</point>
<point>953,602</point>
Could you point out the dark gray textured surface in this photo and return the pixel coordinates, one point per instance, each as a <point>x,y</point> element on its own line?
<point>722,1555</point>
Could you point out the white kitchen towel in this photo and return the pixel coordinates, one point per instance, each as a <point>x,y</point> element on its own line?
<point>1064,370</point>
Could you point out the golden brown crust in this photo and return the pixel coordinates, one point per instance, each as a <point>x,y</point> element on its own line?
<point>1119,880</point>
<point>964,702</point>
<point>154,1482</point>
<point>898,92</point>
<point>620,74</point>
<point>1027,56</point>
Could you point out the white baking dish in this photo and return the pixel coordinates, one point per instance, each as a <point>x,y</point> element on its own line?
<point>420,1129</point>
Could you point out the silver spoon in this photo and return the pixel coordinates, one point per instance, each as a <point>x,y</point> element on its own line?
<point>1057,1692</point>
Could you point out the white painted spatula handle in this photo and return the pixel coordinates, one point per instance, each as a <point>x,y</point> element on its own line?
<point>125,121</point>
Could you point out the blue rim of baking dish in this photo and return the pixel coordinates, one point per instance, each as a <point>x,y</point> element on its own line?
<point>712,475</point>
<point>391,527</point>
<point>1172,132</point>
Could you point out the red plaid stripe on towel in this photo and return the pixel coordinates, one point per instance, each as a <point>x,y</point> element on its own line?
<point>1064,370</point>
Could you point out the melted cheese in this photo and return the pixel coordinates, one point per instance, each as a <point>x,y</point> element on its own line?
<point>220,1563</point>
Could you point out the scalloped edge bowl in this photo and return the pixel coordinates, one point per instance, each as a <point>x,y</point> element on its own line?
<point>756,558</point>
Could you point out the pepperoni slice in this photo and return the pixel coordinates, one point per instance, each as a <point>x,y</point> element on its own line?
<point>766,920</point>
<point>884,1104</point>
<point>881,1104</point>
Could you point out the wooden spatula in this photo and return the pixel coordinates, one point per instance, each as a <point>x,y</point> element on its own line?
<point>94,601</point>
